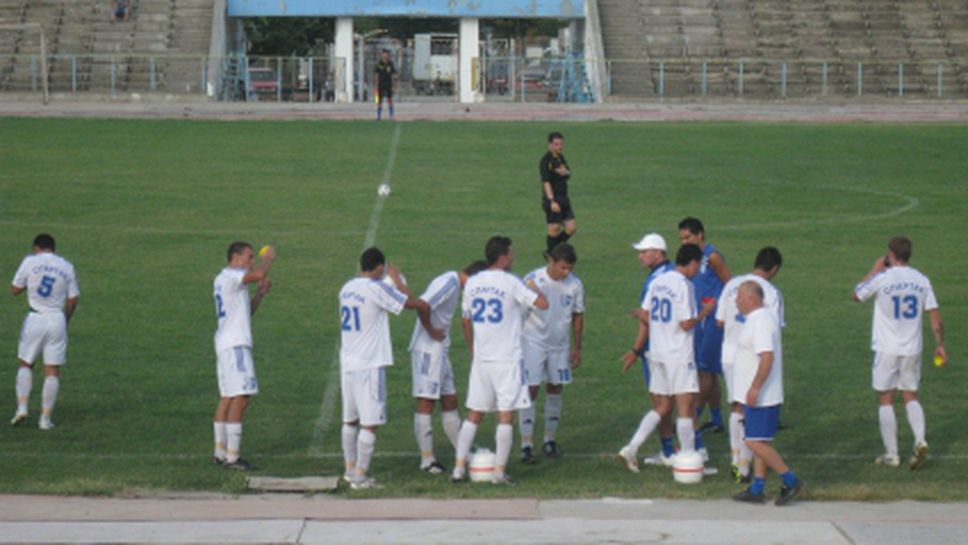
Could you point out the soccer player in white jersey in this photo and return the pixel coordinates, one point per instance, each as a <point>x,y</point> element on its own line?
<point>758,385</point>
<point>233,346</point>
<point>728,317</point>
<point>433,375</point>
<point>671,304</point>
<point>52,293</point>
<point>547,358</point>
<point>493,308</point>
<point>902,295</point>
<point>365,353</point>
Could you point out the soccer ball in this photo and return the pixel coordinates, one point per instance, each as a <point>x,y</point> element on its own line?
<point>482,466</point>
<point>383,190</point>
<point>687,467</point>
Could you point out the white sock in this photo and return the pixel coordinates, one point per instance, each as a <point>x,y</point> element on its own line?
<point>888,425</point>
<point>735,436</point>
<point>220,437</point>
<point>464,441</point>
<point>450,421</point>
<point>49,395</point>
<point>915,416</point>
<point>646,427</point>
<point>686,433</point>
<point>233,432</point>
<point>25,381</point>
<point>745,454</point>
<point>553,404</point>
<point>424,432</point>
<point>526,419</point>
<point>348,439</point>
<point>365,445</point>
<point>502,441</point>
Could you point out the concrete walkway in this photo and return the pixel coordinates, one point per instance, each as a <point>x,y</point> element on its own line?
<point>831,111</point>
<point>208,518</point>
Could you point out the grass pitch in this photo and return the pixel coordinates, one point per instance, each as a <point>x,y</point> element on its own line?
<point>145,210</point>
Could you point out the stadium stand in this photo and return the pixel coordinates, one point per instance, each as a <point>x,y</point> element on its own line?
<point>172,35</point>
<point>659,46</point>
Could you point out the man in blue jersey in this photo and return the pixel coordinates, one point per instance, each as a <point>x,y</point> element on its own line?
<point>652,255</point>
<point>713,275</point>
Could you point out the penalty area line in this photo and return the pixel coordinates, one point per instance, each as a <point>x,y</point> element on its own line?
<point>330,394</point>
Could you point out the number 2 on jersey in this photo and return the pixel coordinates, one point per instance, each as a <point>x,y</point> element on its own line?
<point>219,309</point>
<point>661,309</point>
<point>480,310</point>
<point>910,310</point>
<point>46,286</point>
<point>350,318</point>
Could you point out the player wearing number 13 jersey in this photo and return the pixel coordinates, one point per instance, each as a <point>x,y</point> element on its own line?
<point>365,353</point>
<point>493,307</point>
<point>52,294</point>
<point>902,295</point>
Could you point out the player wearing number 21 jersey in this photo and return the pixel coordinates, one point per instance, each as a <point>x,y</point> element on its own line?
<point>902,296</point>
<point>365,353</point>
<point>493,306</point>
<point>52,294</point>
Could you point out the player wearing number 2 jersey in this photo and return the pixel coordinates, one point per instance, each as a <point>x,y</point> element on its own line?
<point>493,306</point>
<point>233,346</point>
<point>671,306</point>
<point>902,294</point>
<point>365,353</point>
<point>52,294</point>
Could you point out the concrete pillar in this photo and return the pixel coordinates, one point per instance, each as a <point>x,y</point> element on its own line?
<point>469,70</point>
<point>343,55</point>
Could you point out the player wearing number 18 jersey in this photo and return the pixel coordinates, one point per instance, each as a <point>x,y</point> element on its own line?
<point>902,295</point>
<point>52,293</point>
<point>365,353</point>
<point>494,304</point>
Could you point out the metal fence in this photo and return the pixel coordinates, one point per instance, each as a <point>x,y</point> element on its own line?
<point>509,78</point>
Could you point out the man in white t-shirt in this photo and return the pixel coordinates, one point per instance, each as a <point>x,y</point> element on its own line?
<point>551,345</point>
<point>758,386</point>
<point>902,295</point>
<point>671,305</point>
<point>52,293</point>
<point>233,346</point>
<point>766,266</point>
<point>493,307</point>
<point>433,374</point>
<point>365,353</point>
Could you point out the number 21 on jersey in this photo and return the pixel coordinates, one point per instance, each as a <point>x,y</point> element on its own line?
<point>350,318</point>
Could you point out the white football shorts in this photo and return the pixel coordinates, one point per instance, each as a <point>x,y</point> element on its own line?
<point>45,333</point>
<point>236,372</point>
<point>544,365</point>
<point>673,379</point>
<point>890,372</point>
<point>365,396</point>
<point>497,387</point>
<point>433,375</point>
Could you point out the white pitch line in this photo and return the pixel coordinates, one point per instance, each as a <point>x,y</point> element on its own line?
<point>331,392</point>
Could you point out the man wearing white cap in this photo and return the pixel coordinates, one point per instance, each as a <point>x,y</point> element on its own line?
<point>652,255</point>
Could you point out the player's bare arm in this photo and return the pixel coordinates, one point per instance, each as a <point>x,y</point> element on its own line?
<point>468,328</point>
<point>264,286</point>
<point>762,373</point>
<point>69,308</point>
<point>877,268</point>
<point>549,194</point>
<point>638,346</point>
<point>937,328</point>
<point>686,325</point>
<point>260,271</point>
<point>394,273</point>
<point>14,290</point>
<point>577,327</point>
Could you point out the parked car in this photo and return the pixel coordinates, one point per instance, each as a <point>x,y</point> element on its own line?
<point>262,81</point>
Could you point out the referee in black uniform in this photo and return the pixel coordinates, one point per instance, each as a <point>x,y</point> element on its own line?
<point>384,79</point>
<point>554,173</point>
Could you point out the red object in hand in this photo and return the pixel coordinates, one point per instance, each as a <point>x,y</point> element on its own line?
<point>708,300</point>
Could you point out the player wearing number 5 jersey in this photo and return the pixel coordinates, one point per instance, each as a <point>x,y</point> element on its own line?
<point>493,306</point>
<point>233,346</point>
<point>902,295</point>
<point>52,294</point>
<point>671,307</point>
<point>365,353</point>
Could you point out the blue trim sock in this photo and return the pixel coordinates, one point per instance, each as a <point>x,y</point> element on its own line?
<point>788,479</point>
<point>758,485</point>
<point>698,413</point>
<point>668,446</point>
<point>717,416</point>
<point>699,443</point>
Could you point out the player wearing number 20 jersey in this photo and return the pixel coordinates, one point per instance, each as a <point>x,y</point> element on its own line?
<point>52,294</point>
